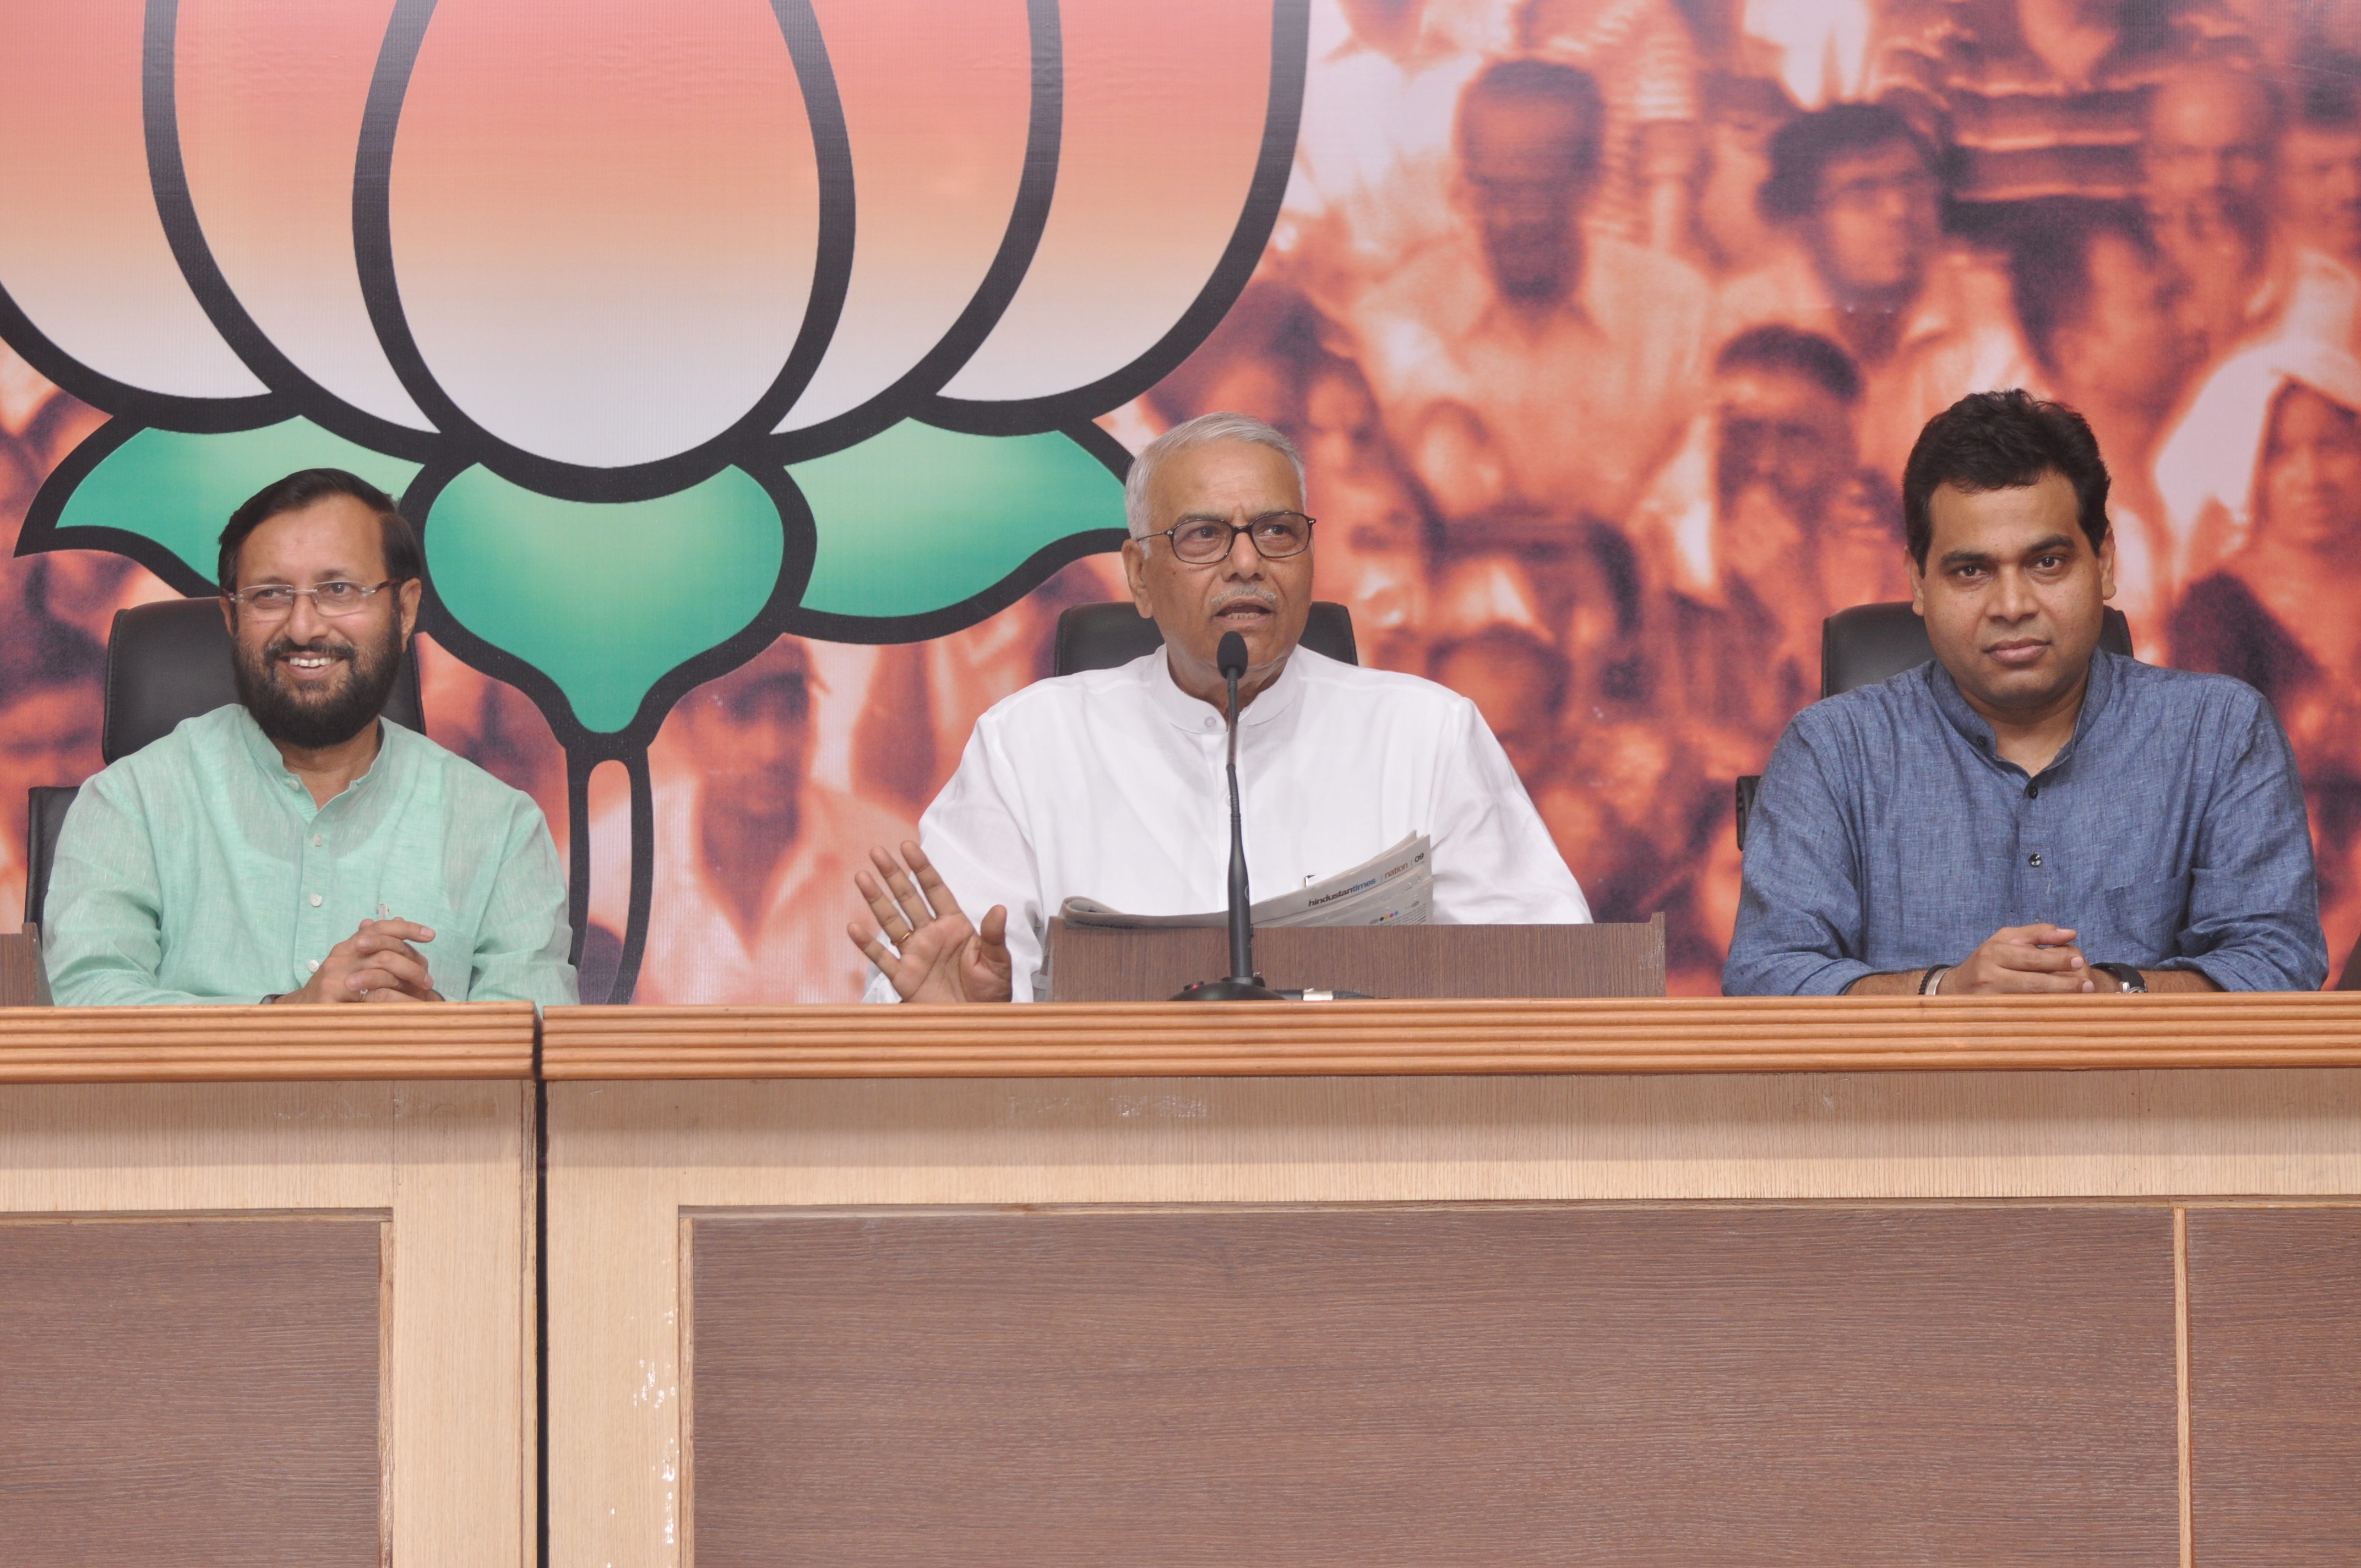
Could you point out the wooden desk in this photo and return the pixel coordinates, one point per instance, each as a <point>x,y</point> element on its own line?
<point>1839,1282</point>
<point>264,1285</point>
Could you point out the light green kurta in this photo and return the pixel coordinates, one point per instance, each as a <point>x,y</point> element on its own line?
<point>198,870</point>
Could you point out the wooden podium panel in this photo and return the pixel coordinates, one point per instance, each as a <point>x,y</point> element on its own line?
<point>277,1305</point>
<point>2275,1363</point>
<point>1447,1385</point>
<point>191,1391</point>
<point>1461,962</point>
<point>878,1172</point>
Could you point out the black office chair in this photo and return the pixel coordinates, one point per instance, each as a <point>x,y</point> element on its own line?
<point>164,662</point>
<point>1873,642</point>
<point>1102,636</point>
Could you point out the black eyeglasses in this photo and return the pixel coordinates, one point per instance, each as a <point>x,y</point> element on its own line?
<point>1201,541</point>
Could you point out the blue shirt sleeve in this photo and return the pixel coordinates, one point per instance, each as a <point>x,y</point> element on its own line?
<point>1799,907</point>
<point>2254,900</point>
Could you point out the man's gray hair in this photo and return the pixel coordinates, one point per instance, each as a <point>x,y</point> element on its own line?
<point>1202,431</point>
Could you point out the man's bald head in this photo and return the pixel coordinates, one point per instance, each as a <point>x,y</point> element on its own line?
<point>2208,156</point>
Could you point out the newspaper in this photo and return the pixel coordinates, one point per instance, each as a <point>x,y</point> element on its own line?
<point>1396,888</point>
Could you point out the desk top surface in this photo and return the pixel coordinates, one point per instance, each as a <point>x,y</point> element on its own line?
<point>1380,1038</point>
<point>198,1045</point>
<point>1171,1039</point>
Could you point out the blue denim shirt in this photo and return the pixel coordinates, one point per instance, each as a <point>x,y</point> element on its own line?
<point>2170,833</point>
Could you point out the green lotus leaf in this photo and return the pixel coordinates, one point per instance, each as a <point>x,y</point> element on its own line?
<point>917,518</point>
<point>179,489</point>
<point>604,599</point>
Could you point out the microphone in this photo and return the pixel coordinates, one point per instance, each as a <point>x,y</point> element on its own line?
<point>1243,984</point>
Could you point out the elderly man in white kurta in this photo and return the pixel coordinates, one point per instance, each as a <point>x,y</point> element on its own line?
<point>1109,784</point>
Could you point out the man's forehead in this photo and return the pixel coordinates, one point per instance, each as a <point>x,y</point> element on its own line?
<point>1897,156</point>
<point>2212,112</point>
<point>1762,391</point>
<point>2002,522</point>
<point>335,526</point>
<point>1541,131</point>
<point>2303,142</point>
<point>1222,476</point>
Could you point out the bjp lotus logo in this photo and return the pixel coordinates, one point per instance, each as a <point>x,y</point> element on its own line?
<point>676,326</point>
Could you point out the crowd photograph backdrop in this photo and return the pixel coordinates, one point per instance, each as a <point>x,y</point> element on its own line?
<point>762,377</point>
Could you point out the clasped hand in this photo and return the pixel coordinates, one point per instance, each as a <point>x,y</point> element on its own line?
<point>923,942</point>
<point>376,963</point>
<point>2022,959</point>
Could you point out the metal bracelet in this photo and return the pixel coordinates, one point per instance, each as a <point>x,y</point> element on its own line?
<point>1933,978</point>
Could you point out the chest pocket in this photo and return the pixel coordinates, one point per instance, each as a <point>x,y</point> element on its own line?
<point>2147,918</point>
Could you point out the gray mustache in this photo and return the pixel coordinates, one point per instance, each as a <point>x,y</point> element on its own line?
<point>1237,595</point>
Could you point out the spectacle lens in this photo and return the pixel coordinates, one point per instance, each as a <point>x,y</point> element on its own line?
<point>275,601</point>
<point>1277,536</point>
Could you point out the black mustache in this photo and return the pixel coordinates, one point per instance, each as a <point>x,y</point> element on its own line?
<point>277,648</point>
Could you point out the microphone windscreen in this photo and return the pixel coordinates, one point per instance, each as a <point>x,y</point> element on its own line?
<point>1230,658</point>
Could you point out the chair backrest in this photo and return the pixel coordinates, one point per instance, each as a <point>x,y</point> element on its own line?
<point>45,813</point>
<point>1102,636</point>
<point>1871,642</point>
<point>164,662</point>
<point>172,661</point>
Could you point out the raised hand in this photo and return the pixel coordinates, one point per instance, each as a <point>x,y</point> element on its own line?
<point>376,963</point>
<point>923,942</point>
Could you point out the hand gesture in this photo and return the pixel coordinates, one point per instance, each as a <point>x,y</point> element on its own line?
<point>376,963</point>
<point>2022,959</point>
<point>935,954</point>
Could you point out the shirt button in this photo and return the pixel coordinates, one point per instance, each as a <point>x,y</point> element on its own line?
<point>312,965</point>
<point>317,841</point>
<point>1212,724</point>
<point>2032,792</point>
<point>2029,859</point>
<point>316,898</point>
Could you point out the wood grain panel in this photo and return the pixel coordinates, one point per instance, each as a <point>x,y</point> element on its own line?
<point>199,1390</point>
<point>184,1045</point>
<point>450,1162</point>
<point>22,983</point>
<point>1837,1034</point>
<point>1437,1385</point>
<point>2275,1385</point>
<point>1088,964</point>
<point>626,1159</point>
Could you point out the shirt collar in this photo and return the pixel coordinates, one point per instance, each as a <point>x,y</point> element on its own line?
<point>1185,712</point>
<point>274,767</point>
<point>1953,706</point>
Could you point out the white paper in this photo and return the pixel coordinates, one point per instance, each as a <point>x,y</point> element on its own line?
<point>1396,888</point>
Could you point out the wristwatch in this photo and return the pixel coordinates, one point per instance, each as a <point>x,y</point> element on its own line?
<point>2125,976</point>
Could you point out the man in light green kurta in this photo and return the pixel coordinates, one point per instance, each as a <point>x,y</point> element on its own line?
<point>295,846</point>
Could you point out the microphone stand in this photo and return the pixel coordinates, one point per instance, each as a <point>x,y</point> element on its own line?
<point>1243,984</point>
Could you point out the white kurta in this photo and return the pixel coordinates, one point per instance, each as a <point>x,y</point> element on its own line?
<point>1108,786</point>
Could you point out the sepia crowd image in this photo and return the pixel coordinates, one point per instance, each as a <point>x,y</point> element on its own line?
<point>1604,327</point>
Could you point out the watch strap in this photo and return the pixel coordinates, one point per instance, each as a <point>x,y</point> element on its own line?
<point>2125,976</point>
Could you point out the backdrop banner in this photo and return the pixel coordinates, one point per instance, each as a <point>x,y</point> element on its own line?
<point>761,376</point>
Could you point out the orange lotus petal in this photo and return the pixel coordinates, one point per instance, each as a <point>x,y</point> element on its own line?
<point>937,96</point>
<point>269,96</point>
<point>1164,110</point>
<point>82,250</point>
<point>603,219</point>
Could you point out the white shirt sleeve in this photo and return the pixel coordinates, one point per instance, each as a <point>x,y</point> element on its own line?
<point>1494,861</point>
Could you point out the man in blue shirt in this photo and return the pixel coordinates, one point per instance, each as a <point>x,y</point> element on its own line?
<point>2025,813</point>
